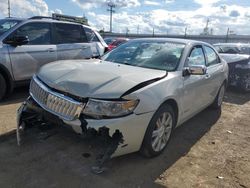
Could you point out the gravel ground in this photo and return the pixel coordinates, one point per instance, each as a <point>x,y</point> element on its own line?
<point>210,150</point>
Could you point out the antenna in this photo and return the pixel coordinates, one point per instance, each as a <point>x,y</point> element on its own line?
<point>111,6</point>
<point>9,8</point>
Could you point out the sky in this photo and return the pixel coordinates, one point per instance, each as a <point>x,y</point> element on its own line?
<point>144,16</point>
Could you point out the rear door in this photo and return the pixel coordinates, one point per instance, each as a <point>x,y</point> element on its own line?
<point>71,41</point>
<point>27,59</point>
<point>215,71</point>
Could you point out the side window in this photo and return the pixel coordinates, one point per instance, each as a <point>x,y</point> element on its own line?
<point>68,33</point>
<point>196,57</point>
<point>91,35</point>
<point>212,57</point>
<point>38,33</point>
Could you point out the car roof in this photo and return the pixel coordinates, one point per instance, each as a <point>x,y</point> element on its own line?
<point>176,40</point>
<point>13,18</point>
<point>48,19</point>
<point>232,44</point>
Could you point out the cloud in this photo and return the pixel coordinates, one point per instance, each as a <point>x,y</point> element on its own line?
<point>164,19</point>
<point>207,2</point>
<point>151,3</point>
<point>26,8</point>
<point>174,22</point>
<point>169,1</point>
<point>88,4</point>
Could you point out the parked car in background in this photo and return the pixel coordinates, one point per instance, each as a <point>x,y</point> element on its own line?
<point>109,40</point>
<point>117,42</point>
<point>139,93</point>
<point>237,56</point>
<point>27,44</point>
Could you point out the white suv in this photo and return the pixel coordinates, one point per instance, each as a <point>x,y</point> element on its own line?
<point>27,44</point>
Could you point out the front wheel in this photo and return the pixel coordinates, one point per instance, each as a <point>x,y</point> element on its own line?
<point>158,132</point>
<point>219,98</point>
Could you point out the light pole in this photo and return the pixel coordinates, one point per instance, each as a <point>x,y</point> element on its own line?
<point>111,10</point>
<point>9,8</point>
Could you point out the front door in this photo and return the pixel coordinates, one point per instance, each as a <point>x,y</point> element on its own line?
<point>27,59</point>
<point>215,76</point>
<point>194,89</point>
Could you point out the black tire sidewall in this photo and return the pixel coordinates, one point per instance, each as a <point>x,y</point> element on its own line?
<point>215,104</point>
<point>3,87</point>
<point>146,148</point>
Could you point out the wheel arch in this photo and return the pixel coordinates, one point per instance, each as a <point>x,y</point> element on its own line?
<point>8,78</point>
<point>173,103</point>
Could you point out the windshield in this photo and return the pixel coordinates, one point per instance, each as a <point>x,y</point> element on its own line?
<point>232,49</point>
<point>6,24</point>
<point>160,55</point>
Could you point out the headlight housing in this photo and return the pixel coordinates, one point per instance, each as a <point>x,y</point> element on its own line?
<point>104,108</point>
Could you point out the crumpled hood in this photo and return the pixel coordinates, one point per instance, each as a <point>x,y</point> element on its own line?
<point>232,58</point>
<point>95,78</point>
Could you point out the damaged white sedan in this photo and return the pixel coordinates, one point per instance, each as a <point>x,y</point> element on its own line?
<point>135,95</point>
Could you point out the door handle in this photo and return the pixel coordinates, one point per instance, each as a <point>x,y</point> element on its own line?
<point>51,50</point>
<point>207,76</point>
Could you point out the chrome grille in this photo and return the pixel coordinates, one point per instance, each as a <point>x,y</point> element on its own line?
<point>56,103</point>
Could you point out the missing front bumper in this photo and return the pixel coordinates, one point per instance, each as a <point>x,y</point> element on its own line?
<point>118,136</point>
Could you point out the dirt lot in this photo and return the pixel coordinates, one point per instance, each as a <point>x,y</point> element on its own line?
<point>210,150</point>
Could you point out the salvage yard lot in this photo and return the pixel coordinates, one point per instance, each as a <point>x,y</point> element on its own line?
<point>210,150</point>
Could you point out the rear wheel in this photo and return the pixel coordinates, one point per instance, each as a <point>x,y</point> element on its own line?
<point>219,98</point>
<point>3,87</point>
<point>159,131</point>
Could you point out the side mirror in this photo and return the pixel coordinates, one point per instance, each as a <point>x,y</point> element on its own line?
<point>195,70</point>
<point>17,40</point>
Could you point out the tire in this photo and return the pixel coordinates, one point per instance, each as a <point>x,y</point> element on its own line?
<point>3,87</point>
<point>219,98</point>
<point>156,130</point>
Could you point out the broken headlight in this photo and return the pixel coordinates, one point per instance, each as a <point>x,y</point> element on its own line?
<point>103,108</point>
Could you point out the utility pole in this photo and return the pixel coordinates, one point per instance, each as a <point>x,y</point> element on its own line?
<point>185,32</point>
<point>127,31</point>
<point>9,8</point>
<point>138,28</point>
<point>111,10</point>
<point>228,30</point>
<point>153,31</point>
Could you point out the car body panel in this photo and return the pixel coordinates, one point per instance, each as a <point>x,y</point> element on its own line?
<point>76,51</point>
<point>27,59</point>
<point>5,58</point>
<point>127,125</point>
<point>93,78</point>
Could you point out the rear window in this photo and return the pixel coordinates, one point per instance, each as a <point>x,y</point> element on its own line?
<point>118,42</point>
<point>69,33</point>
<point>91,35</point>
